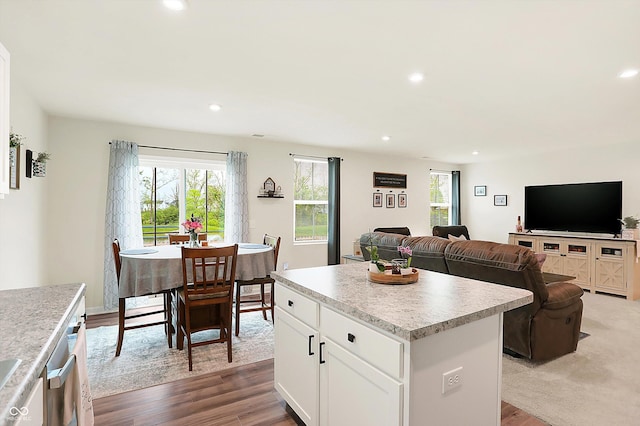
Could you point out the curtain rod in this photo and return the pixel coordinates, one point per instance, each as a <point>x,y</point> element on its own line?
<point>180,149</point>
<point>311,156</point>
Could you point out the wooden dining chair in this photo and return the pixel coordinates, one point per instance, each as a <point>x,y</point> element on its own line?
<point>124,317</point>
<point>184,238</point>
<point>206,297</point>
<point>274,242</point>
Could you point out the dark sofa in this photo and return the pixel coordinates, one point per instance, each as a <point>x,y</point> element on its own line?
<point>545,329</point>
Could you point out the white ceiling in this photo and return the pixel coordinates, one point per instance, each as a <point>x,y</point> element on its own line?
<point>501,77</point>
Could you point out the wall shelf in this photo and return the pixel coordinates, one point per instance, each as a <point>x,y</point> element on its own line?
<point>270,196</point>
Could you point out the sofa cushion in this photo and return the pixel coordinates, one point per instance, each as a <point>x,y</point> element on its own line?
<point>454,238</point>
<point>428,252</point>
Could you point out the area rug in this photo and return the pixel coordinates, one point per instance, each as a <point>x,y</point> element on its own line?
<point>596,385</point>
<point>146,360</point>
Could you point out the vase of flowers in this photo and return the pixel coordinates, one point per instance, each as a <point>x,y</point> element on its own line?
<point>192,226</point>
<point>405,261</point>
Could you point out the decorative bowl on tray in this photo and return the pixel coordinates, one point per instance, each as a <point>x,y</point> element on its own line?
<point>387,277</point>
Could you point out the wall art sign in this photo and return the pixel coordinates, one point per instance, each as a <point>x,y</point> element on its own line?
<point>389,180</point>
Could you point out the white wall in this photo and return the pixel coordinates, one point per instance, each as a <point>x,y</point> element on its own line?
<point>77,177</point>
<point>23,212</point>
<point>594,164</point>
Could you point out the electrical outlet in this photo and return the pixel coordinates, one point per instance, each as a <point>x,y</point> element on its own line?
<point>451,380</point>
<point>285,266</point>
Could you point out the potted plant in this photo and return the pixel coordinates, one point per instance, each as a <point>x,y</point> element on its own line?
<point>39,164</point>
<point>630,231</point>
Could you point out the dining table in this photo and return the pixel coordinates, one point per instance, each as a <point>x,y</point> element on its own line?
<point>153,269</point>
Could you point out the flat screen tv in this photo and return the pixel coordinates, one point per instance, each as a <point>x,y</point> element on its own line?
<point>578,207</point>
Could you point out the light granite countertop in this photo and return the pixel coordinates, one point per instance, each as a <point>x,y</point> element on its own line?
<point>437,302</point>
<point>32,320</point>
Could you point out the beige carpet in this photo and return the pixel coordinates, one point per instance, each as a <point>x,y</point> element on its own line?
<point>599,384</point>
<point>146,359</point>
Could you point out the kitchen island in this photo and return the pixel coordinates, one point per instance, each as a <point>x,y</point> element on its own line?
<point>32,321</point>
<point>349,351</point>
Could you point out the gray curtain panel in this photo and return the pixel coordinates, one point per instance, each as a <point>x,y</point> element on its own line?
<point>236,215</point>
<point>122,216</point>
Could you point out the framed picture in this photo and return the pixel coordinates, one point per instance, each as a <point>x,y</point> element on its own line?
<point>391,201</point>
<point>499,200</point>
<point>480,191</point>
<point>14,167</point>
<point>402,200</point>
<point>377,199</point>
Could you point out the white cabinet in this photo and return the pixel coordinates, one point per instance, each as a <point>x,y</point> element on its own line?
<point>296,365</point>
<point>333,370</point>
<point>352,392</point>
<point>5,126</point>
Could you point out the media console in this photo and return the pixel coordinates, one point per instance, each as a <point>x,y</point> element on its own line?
<point>603,265</point>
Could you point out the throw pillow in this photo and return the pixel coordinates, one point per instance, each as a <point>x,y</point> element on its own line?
<point>454,238</point>
<point>541,258</point>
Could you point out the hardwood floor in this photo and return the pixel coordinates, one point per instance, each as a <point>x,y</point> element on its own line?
<point>237,396</point>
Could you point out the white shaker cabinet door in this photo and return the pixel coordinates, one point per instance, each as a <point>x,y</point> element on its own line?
<point>352,392</point>
<point>296,365</point>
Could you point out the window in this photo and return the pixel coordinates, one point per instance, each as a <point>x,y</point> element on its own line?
<point>440,198</point>
<point>311,189</point>
<point>171,190</point>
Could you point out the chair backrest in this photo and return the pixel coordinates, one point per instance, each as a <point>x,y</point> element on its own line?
<point>116,257</point>
<point>455,230</point>
<point>275,243</point>
<point>184,238</point>
<point>395,230</point>
<point>208,270</point>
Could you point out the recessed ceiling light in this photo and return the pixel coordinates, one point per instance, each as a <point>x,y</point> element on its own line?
<point>628,73</point>
<point>416,77</point>
<point>386,138</point>
<point>475,153</point>
<point>176,5</point>
<point>215,107</point>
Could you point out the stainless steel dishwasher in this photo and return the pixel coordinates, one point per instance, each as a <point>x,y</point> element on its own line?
<point>57,371</point>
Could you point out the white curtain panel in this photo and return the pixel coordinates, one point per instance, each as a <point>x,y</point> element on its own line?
<point>236,214</point>
<point>122,217</point>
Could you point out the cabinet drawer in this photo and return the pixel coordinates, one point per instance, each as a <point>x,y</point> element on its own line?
<point>375,348</point>
<point>294,303</point>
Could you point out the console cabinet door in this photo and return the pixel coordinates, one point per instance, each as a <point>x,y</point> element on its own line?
<point>610,268</point>
<point>296,365</point>
<point>352,392</point>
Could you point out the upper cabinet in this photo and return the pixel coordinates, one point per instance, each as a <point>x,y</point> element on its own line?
<point>4,121</point>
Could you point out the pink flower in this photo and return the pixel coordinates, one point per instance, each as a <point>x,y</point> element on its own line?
<point>405,250</point>
<point>192,225</point>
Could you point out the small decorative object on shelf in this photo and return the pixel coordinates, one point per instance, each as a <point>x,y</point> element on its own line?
<point>519,225</point>
<point>269,190</point>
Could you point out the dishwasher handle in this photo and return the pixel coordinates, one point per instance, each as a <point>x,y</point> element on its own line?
<point>58,376</point>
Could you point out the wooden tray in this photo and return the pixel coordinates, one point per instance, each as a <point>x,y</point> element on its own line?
<point>387,277</point>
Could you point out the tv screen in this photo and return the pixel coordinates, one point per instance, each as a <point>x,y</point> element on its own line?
<point>579,207</point>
